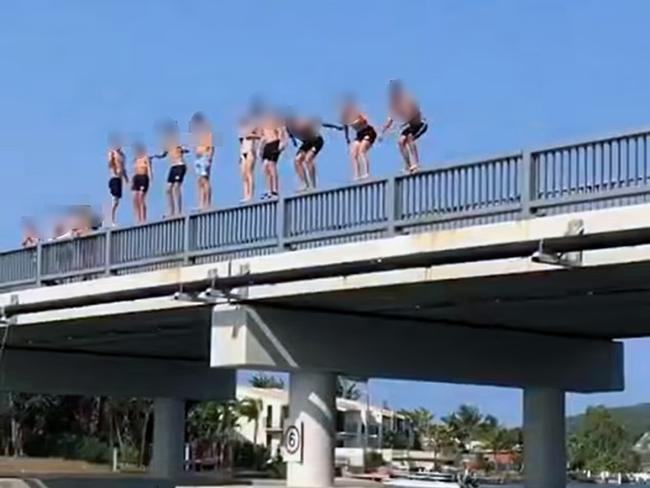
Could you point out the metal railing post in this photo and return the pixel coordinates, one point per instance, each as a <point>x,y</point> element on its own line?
<point>280,227</point>
<point>391,199</point>
<point>39,263</point>
<point>187,243</point>
<point>108,238</point>
<point>526,182</point>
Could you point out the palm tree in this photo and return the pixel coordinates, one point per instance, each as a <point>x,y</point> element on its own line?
<point>251,409</point>
<point>465,425</point>
<point>266,381</point>
<point>348,389</point>
<point>422,421</point>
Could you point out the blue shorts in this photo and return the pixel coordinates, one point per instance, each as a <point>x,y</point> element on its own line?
<point>202,166</point>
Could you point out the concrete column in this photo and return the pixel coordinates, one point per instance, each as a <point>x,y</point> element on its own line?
<point>544,438</point>
<point>168,437</point>
<point>312,403</point>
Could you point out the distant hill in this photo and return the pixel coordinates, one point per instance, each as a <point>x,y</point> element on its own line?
<point>635,418</point>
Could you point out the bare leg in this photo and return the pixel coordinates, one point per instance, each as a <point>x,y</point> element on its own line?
<point>274,178</point>
<point>208,194</point>
<point>143,206</point>
<point>268,178</point>
<point>415,160</point>
<point>364,161</point>
<point>171,201</point>
<point>310,168</point>
<point>250,172</point>
<point>299,163</point>
<point>200,193</point>
<point>116,203</point>
<point>403,144</point>
<point>136,207</point>
<point>179,198</point>
<point>354,157</point>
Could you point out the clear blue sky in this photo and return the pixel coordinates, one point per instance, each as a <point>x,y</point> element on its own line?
<point>491,76</point>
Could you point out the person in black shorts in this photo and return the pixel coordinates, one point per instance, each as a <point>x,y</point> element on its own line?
<point>363,141</point>
<point>307,132</point>
<point>175,152</point>
<point>273,136</point>
<point>142,176</point>
<point>404,108</point>
<point>117,174</point>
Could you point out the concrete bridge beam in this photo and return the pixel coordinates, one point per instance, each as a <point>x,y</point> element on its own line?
<point>262,337</point>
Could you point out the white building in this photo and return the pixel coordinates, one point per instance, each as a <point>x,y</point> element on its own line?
<point>359,425</point>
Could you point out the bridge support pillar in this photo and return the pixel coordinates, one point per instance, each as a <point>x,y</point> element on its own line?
<point>544,438</point>
<point>168,437</point>
<point>312,409</point>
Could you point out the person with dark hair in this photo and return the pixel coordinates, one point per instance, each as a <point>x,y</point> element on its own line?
<point>204,152</point>
<point>142,177</point>
<point>175,152</point>
<point>365,137</point>
<point>404,108</point>
<point>117,174</point>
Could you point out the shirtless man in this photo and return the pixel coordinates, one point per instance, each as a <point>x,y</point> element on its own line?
<point>307,131</point>
<point>248,138</point>
<point>406,110</point>
<point>142,177</point>
<point>353,117</point>
<point>274,137</point>
<point>204,151</point>
<point>117,174</point>
<point>175,152</point>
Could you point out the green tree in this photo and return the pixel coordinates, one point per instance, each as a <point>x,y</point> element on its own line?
<point>422,422</point>
<point>465,425</point>
<point>600,443</point>
<point>251,409</point>
<point>215,423</point>
<point>266,381</point>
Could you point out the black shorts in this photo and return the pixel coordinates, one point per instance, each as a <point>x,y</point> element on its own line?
<point>315,145</point>
<point>415,128</point>
<point>271,151</point>
<point>115,187</point>
<point>368,133</point>
<point>140,183</point>
<point>176,173</point>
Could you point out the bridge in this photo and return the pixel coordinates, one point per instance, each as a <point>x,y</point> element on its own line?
<point>426,277</point>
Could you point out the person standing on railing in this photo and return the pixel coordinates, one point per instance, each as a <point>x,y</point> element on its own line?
<point>248,138</point>
<point>274,138</point>
<point>175,152</point>
<point>142,178</point>
<point>204,152</point>
<point>402,107</point>
<point>306,131</point>
<point>365,137</point>
<point>117,174</point>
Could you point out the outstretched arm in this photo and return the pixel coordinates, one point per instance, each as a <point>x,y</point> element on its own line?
<point>346,129</point>
<point>387,125</point>
<point>333,126</point>
<point>161,155</point>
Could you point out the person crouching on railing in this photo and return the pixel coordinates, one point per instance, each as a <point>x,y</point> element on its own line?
<point>402,107</point>
<point>365,137</point>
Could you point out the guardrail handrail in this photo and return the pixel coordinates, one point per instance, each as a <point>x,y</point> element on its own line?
<point>579,175</point>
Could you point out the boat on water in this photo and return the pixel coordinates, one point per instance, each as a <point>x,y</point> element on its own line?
<point>429,480</point>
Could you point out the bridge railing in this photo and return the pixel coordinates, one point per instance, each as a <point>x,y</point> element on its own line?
<point>584,175</point>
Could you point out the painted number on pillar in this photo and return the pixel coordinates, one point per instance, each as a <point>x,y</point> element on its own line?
<point>292,443</point>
